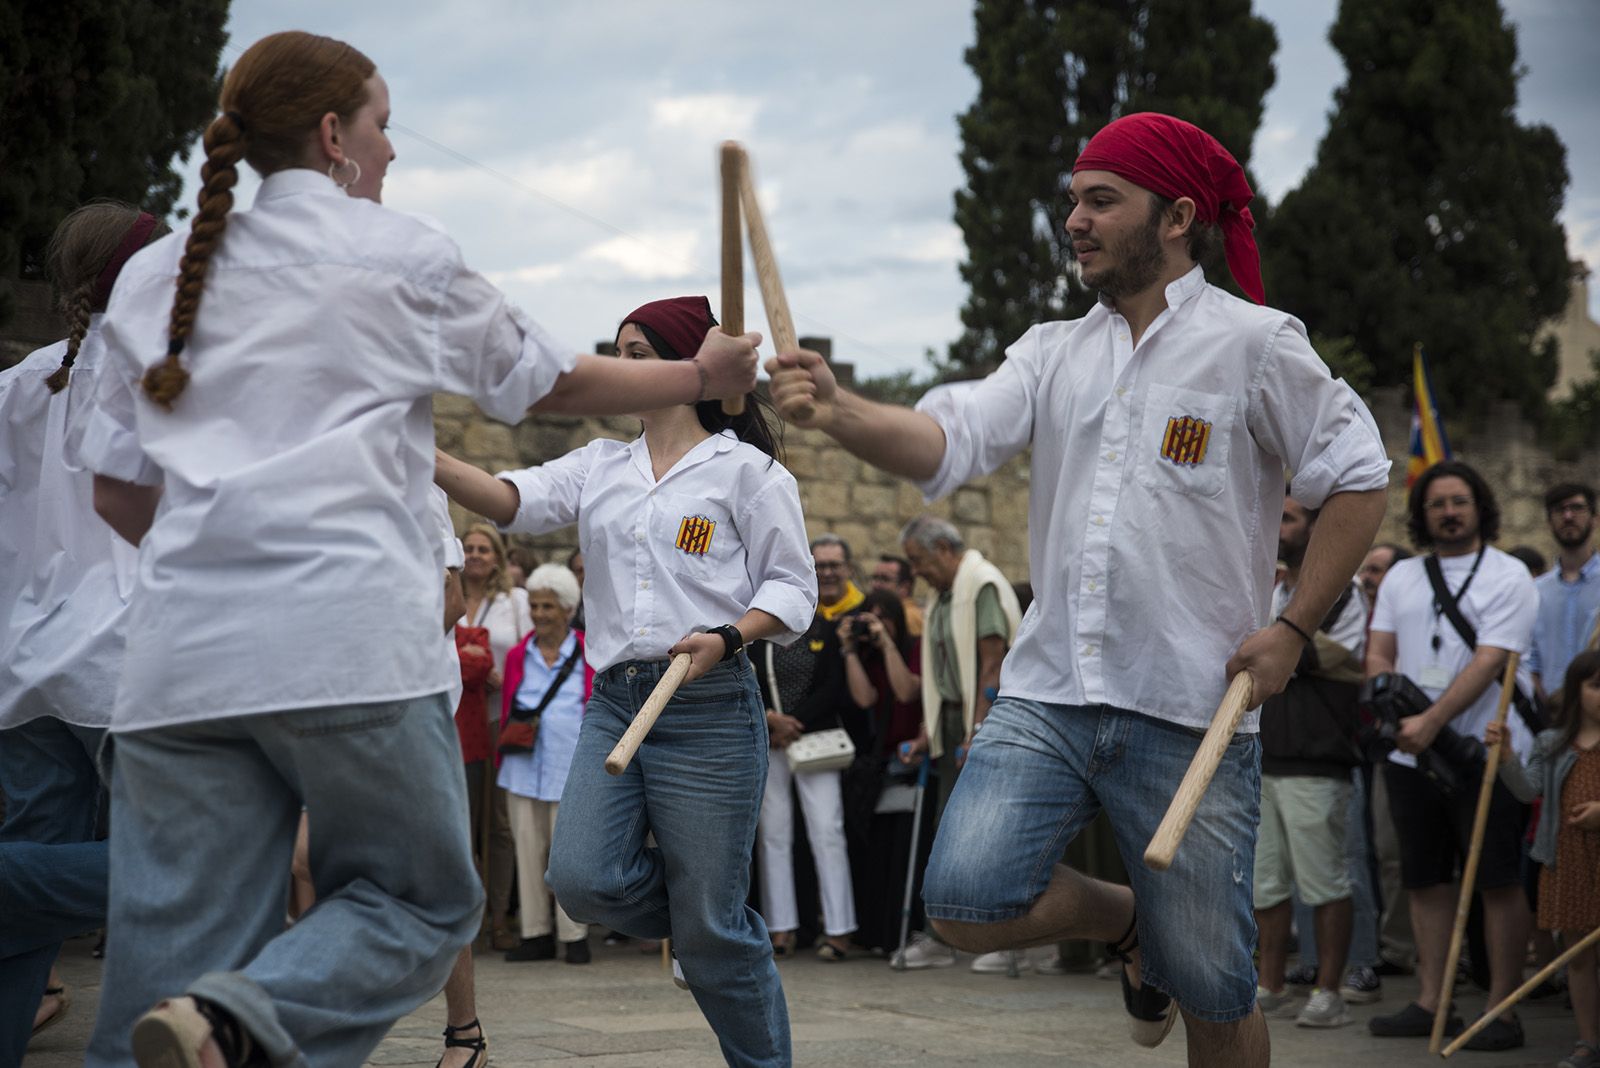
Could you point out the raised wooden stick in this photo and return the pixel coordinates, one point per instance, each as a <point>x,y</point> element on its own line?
<point>633,737</point>
<point>1164,843</point>
<point>733,168</point>
<point>770,281</point>
<point>1469,873</point>
<point>1590,939</point>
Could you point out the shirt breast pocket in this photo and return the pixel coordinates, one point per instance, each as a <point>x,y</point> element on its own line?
<point>1183,440</point>
<point>695,536</point>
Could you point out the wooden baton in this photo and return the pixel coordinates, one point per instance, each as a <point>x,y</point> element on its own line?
<point>633,737</point>
<point>768,279</point>
<point>732,156</point>
<point>1490,1015</point>
<point>1180,813</point>
<point>1469,873</point>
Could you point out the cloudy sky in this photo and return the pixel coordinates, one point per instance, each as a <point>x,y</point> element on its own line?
<point>569,145</point>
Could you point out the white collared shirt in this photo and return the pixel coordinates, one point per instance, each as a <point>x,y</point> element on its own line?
<point>1157,477</point>
<point>293,562</point>
<point>721,533</point>
<point>454,556</point>
<point>61,641</point>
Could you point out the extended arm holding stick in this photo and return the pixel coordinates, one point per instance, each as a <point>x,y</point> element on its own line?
<point>649,712</point>
<point>1164,843</point>
<point>1469,874</point>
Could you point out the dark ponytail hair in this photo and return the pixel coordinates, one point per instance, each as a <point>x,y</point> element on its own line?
<point>85,254</point>
<point>753,426</point>
<point>272,101</point>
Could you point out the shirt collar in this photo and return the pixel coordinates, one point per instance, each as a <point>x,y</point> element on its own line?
<point>1588,569</point>
<point>1177,292</point>
<point>716,444</point>
<point>292,181</point>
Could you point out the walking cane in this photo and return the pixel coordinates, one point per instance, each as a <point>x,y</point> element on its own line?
<point>1180,813</point>
<point>1469,874</point>
<point>1590,939</point>
<point>898,961</point>
<point>646,718</point>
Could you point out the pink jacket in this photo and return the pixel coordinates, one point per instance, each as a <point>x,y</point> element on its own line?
<point>511,680</point>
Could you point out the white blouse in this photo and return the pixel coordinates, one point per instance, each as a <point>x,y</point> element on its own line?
<point>722,532</point>
<point>62,638</point>
<point>293,562</point>
<point>507,618</point>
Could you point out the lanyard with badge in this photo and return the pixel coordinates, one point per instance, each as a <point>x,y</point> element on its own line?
<point>1435,676</point>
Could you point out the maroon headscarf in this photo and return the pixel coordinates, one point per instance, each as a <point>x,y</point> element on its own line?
<point>132,242</point>
<point>682,322</point>
<point>1178,159</point>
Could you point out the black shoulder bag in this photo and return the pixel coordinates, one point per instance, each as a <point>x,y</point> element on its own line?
<point>522,727</point>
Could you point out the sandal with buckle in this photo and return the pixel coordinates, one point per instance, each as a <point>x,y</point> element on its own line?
<point>172,1034</point>
<point>479,1046</point>
<point>63,1003</point>
<point>1151,1013</point>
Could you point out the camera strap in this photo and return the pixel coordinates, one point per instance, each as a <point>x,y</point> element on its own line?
<point>1448,603</point>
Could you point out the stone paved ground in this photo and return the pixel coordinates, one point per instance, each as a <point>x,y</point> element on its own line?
<point>623,1012</point>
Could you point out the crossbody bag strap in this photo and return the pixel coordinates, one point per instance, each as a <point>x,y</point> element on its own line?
<point>1531,718</point>
<point>772,682</point>
<point>544,702</point>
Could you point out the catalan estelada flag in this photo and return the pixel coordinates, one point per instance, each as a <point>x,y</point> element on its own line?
<point>1428,443</point>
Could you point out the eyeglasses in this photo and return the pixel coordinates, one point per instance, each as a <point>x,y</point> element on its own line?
<point>1576,508</point>
<point>832,567</point>
<point>1441,503</point>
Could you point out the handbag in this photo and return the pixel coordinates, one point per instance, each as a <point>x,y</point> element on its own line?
<point>828,750</point>
<point>522,726</point>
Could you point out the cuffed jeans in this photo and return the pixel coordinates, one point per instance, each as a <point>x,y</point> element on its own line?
<point>204,817</point>
<point>52,873</point>
<point>696,783</point>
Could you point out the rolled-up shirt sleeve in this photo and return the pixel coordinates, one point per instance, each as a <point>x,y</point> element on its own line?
<point>987,422</point>
<point>491,351</point>
<point>109,444</point>
<point>1315,424</point>
<point>778,557</point>
<point>550,492</point>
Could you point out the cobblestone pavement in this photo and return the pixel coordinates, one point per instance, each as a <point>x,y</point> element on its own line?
<point>622,1011</point>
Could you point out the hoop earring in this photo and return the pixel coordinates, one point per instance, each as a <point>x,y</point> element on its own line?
<point>332,167</point>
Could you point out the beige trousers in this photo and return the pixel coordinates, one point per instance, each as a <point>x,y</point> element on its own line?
<point>533,823</point>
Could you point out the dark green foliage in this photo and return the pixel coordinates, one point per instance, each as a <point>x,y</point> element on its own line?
<point>1050,74</point>
<point>96,99</point>
<point>1572,424</point>
<point>1344,361</point>
<point>1430,213</point>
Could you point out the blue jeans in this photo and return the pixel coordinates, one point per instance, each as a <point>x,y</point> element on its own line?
<point>697,784</point>
<point>48,860</point>
<point>204,818</point>
<point>1039,773</point>
<point>1363,900</point>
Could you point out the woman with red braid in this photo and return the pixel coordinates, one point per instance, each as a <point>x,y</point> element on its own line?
<point>64,581</point>
<point>264,432</point>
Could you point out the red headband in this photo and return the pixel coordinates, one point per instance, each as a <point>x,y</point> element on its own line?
<point>681,322</point>
<point>1178,159</point>
<point>132,242</point>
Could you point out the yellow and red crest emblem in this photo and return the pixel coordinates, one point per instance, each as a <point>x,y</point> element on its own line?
<point>694,534</point>
<point>1186,439</point>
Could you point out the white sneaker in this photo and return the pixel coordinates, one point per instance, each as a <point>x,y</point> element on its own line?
<point>1001,962</point>
<point>1325,1008</point>
<point>677,974</point>
<point>1279,1006</point>
<point>923,951</point>
<point>1051,965</point>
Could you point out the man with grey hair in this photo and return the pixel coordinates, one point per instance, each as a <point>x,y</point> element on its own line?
<point>970,622</point>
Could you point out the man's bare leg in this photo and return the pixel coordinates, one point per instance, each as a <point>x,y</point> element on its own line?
<point>1273,926</point>
<point>1242,1043</point>
<point>461,1011</point>
<point>1433,910</point>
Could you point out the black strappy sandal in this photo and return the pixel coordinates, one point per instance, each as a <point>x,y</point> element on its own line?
<point>479,1046</point>
<point>1151,1013</point>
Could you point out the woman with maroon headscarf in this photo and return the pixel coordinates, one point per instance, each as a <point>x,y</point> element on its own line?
<point>695,544</point>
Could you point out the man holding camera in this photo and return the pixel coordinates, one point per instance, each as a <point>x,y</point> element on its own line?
<point>1450,633</point>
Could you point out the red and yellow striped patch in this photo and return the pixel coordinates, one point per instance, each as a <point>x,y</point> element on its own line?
<point>694,534</point>
<point>1185,440</point>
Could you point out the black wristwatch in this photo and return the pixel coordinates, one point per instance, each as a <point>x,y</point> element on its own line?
<point>732,640</point>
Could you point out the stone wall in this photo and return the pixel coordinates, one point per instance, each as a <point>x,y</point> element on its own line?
<point>868,508</point>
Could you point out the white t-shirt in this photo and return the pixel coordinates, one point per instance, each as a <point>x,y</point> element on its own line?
<point>1500,603</point>
<point>292,562</point>
<point>63,636</point>
<point>454,556</point>
<point>722,532</point>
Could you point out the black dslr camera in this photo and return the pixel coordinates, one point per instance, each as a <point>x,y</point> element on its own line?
<point>1453,760</point>
<point>860,630</point>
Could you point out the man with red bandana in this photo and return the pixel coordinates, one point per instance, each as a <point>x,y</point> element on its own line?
<point>1161,426</point>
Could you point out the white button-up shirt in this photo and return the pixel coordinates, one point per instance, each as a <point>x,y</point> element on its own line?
<point>63,640</point>
<point>293,562</point>
<point>721,533</point>
<point>1158,476</point>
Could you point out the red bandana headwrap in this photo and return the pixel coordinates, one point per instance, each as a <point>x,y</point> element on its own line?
<point>1178,159</point>
<point>682,322</point>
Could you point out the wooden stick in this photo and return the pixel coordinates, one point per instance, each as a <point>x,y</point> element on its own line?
<point>1164,843</point>
<point>1469,874</point>
<point>770,281</point>
<point>732,253</point>
<point>1589,940</point>
<point>633,737</point>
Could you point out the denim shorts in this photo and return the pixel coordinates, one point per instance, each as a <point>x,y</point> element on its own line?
<point>1038,773</point>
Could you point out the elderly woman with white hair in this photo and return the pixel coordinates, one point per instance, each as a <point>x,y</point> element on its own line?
<point>547,684</point>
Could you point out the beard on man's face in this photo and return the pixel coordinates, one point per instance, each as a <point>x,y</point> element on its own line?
<point>1571,534</point>
<point>1453,531</point>
<point>1136,261</point>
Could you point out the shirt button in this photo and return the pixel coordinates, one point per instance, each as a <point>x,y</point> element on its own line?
<point>644,631</point>
<point>645,585</point>
<point>1121,391</point>
<point>1099,520</point>
<point>1112,455</point>
<point>639,537</point>
<point>1092,586</point>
